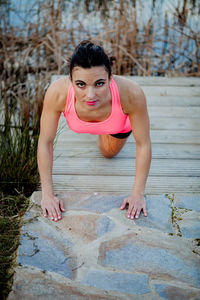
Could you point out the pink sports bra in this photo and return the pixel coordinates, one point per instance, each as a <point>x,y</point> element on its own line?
<point>117,122</point>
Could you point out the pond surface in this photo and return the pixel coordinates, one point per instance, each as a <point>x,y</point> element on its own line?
<point>165,30</point>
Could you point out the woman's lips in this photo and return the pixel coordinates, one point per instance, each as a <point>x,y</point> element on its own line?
<point>91,102</point>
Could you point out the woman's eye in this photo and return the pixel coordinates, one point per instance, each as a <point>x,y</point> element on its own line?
<point>100,83</point>
<point>80,84</point>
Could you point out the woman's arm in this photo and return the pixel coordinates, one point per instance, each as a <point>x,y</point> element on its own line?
<point>50,204</point>
<point>139,119</point>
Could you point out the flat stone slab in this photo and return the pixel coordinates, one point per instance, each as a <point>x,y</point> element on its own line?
<point>158,207</point>
<point>190,225</point>
<point>31,283</point>
<point>87,227</point>
<point>190,202</point>
<point>44,247</point>
<point>159,214</point>
<point>115,281</point>
<point>39,253</point>
<point>167,291</point>
<point>95,252</point>
<point>186,215</point>
<point>133,254</point>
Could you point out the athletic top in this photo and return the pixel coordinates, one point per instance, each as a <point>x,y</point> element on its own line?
<point>117,122</point>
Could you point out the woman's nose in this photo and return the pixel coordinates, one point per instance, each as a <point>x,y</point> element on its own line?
<point>91,92</point>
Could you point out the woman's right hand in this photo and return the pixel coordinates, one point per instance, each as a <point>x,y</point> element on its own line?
<point>52,207</point>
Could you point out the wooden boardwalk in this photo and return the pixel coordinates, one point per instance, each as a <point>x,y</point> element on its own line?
<point>89,249</point>
<point>174,110</point>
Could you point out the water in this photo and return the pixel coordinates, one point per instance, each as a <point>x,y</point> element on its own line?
<point>23,12</point>
<point>86,20</point>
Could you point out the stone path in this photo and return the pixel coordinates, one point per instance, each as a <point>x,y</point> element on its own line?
<point>95,252</point>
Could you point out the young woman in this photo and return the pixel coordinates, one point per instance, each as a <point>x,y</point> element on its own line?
<point>97,102</point>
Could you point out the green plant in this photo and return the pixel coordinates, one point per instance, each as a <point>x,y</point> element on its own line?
<point>12,209</point>
<point>18,160</point>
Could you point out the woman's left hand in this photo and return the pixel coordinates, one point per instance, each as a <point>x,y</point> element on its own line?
<point>136,203</point>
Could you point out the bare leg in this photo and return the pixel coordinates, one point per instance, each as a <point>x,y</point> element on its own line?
<point>109,146</point>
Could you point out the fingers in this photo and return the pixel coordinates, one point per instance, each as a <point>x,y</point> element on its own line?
<point>44,212</point>
<point>53,209</point>
<point>145,211</point>
<point>134,210</point>
<point>53,214</point>
<point>129,211</point>
<point>136,213</point>
<point>62,205</point>
<point>132,214</point>
<point>123,204</point>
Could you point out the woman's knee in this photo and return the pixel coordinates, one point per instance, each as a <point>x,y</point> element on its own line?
<point>103,149</point>
<point>110,146</point>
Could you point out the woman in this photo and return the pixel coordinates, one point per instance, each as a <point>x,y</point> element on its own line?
<point>97,102</point>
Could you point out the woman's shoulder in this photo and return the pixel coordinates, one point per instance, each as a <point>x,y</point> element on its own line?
<point>56,93</point>
<point>130,92</point>
<point>126,85</point>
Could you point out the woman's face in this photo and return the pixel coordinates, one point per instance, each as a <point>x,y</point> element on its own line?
<point>91,86</point>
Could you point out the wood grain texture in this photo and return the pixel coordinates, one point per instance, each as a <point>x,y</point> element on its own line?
<point>180,101</point>
<point>171,91</point>
<point>124,184</point>
<point>166,81</point>
<point>174,111</point>
<point>88,149</point>
<point>124,167</point>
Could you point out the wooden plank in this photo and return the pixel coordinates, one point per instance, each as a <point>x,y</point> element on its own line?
<point>174,111</point>
<point>171,91</point>
<point>172,101</point>
<point>166,81</point>
<point>124,184</point>
<point>157,136</point>
<point>174,136</point>
<point>175,123</point>
<point>123,167</point>
<point>155,80</point>
<point>169,151</point>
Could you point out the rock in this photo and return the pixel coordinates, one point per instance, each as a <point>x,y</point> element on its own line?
<point>38,252</point>
<point>128,253</point>
<point>170,292</point>
<point>104,226</point>
<point>190,202</point>
<point>31,284</point>
<point>87,227</point>
<point>95,202</point>
<point>95,252</point>
<point>190,227</point>
<point>159,214</point>
<point>42,246</point>
<point>158,207</point>
<point>117,281</point>
<point>100,203</point>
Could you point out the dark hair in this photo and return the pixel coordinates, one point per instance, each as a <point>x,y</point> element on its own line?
<point>87,55</point>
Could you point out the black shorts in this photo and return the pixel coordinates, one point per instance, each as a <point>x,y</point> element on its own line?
<point>122,135</point>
